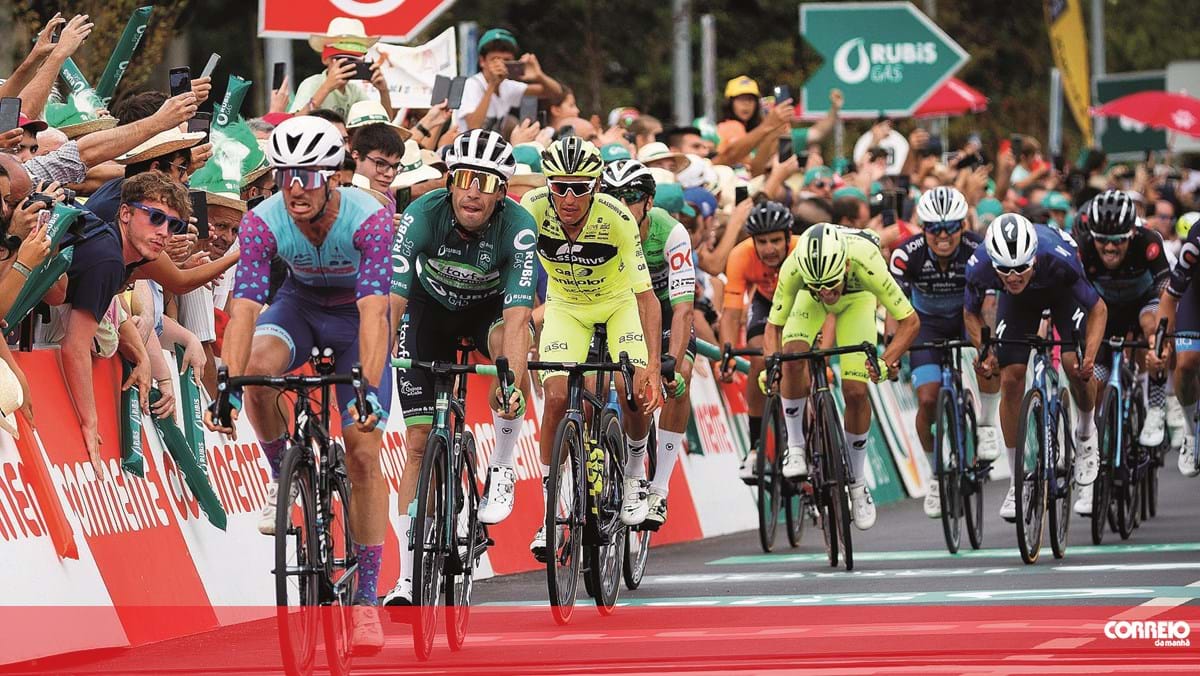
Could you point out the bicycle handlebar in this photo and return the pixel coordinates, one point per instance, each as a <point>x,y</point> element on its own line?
<point>226,382</point>
<point>622,366</point>
<point>451,368</point>
<point>1036,342</point>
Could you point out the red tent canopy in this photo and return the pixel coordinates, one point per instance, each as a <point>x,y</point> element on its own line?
<point>953,98</point>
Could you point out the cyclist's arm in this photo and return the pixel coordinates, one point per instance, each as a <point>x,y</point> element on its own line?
<point>785,291</point>
<point>250,287</point>
<point>372,239</point>
<point>407,242</point>
<point>906,333</point>
<point>681,289</point>
<point>650,312</point>
<point>1097,318</point>
<point>735,291</point>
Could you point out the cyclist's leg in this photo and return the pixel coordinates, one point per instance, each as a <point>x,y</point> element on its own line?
<point>756,323</point>
<point>623,325</point>
<point>856,324</point>
<point>283,339</point>
<point>1187,370</point>
<point>566,336</point>
<point>500,493</point>
<point>1069,317</point>
<point>927,373</point>
<point>803,323</point>
<point>1016,317</point>
<point>672,422</point>
<point>1154,426</point>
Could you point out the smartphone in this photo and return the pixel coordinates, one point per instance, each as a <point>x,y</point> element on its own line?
<point>181,80</point>
<point>279,74</point>
<point>362,71</point>
<point>202,122</point>
<point>529,108</point>
<point>211,65</point>
<point>1059,162</point>
<point>200,212</point>
<point>57,33</point>
<point>543,117</point>
<point>889,208</point>
<point>516,69</point>
<point>1016,144</point>
<point>785,149</point>
<point>10,113</point>
<point>782,93</point>
<point>454,97</point>
<point>441,89</point>
<point>903,183</point>
<point>741,194</point>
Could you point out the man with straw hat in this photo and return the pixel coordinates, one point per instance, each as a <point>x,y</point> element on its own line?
<point>342,47</point>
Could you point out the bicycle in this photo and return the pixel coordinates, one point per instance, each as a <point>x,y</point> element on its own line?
<point>1043,475</point>
<point>314,547</point>
<point>959,471</point>
<point>451,539</point>
<point>637,541</point>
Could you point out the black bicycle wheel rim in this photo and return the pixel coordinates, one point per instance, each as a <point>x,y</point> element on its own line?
<point>297,547</point>
<point>821,478</point>
<point>342,570</point>
<point>1102,488</point>
<point>1029,479</point>
<point>769,477</point>
<point>973,476</point>
<point>637,542</point>
<point>1060,505</point>
<point>604,560</point>
<point>428,547</point>
<point>1152,483</point>
<point>835,453</point>
<point>468,534</point>
<point>945,459</point>
<point>564,528</point>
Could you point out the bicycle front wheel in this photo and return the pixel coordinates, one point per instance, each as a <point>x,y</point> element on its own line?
<point>770,472</point>
<point>1029,476</point>
<point>837,476</point>
<point>428,541</point>
<point>948,469</point>
<point>637,542</point>
<point>471,543</point>
<point>564,520</point>
<point>341,568</point>
<point>1106,427</point>
<point>973,475</point>
<point>604,558</point>
<point>297,560</point>
<point>1063,477</point>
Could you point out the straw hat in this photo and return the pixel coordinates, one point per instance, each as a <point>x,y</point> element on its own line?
<point>11,399</point>
<point>225,199</point>
<point>162,143</point>
<point>343,33</point>
<point>525,175</point>
<point>652,152</point>
<point>74,131</point>
<point>372,112</point>
<point>413,167</point>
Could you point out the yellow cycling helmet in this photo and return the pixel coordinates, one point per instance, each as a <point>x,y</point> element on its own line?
<point>1184,225</point>
<point>572,156</point>
<point>821,253</point>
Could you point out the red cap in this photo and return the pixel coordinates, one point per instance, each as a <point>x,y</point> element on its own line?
<point>274,119</point>
<point>31,125</point>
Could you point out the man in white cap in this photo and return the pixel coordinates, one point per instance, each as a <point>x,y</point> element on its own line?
<point>343,46</point>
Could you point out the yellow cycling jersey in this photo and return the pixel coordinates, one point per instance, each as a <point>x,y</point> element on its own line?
<point>868,271</point>
<point>602,263</point>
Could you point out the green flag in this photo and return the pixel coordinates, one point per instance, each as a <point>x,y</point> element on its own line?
<point>119,61</point>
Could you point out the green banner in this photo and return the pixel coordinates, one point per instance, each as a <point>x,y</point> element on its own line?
<point>193,416</point>
<point>130,420</point>
<point>173,440</point>
<point>39,282</point>
<point>119,60</point>
<point>226,114</point>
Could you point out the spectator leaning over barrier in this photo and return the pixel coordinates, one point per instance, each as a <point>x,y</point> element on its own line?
<point>342,47</point>
<point>490,94</point>
<point>152,205</point>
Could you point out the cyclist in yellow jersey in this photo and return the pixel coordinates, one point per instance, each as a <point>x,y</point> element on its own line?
<point>838,271</point>
<point>591,250</point>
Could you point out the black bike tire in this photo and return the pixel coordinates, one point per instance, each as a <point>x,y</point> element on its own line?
<point>296,467</point>
<point>339,621</point>
<point>1060,503</point>
<point>836,453</point>
<point>768,486</point>
<point>819,472</point>
<point>1029,536</point>
<point>458,587</point>
<point>428,555</point>
<point>1103,486</point>
<point>973,480</point>
<point>636,556</point>
<point>948,472</point>
<point>604,562</point>
<point>562,582</point>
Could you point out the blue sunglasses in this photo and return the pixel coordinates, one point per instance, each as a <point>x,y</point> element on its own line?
<point>947,227</point>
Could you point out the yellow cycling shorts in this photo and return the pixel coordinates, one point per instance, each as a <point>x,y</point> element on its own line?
<point>567,331</point>
<point>855,314</point>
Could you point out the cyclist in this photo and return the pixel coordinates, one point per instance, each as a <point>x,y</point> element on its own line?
<point>335,243</point>
<point>1035,268</point>
<point>462,266</point>
<point>596,274</point>
<point>1128,268</point>
<point>754,264</point>
<point>668,249</point>
<point>1180,306</point>
<point>931,267</point>
<point>841,272</point>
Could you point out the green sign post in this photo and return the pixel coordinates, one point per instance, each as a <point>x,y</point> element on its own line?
<point>886,57</point>
<point>1126,136</point>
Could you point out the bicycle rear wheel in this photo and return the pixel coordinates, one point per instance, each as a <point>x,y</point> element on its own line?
<point>604,558</point>
<point>948,470</point>
<point>429,544</point>
<point>973,476</point>
<point>564,520</point>
<point>637,542</point>
<point>1150,495</point>
<point>770,474</point>
<point>821,478</point>
<point>1030,477</point>
<point>471,543</point>
<point>835,448</point>
<point>340,567</point>
<point>1059,493</point>
<point>297,560</point>
<point>1103,487</point>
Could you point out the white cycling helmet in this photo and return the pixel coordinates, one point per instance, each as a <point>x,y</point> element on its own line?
<point>942,204</point>
<point>484,150</point>
<point>1011,240</point>
<point>306,142</point>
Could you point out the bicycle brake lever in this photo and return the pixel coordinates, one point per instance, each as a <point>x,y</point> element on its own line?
<point>985,342</point>
<point>360,393</point>
<point>627,374</point>
<point>1160,337</point>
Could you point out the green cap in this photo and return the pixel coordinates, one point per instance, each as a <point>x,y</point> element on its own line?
<point>816,174</point>
<point>989,206</point>
<point>530,154</point>
<point>498,35</point>
<point>850,191</point>
<point>840,165</point>
<point>612,152</point>
<point>669,196</point>
<point>1056,201</point>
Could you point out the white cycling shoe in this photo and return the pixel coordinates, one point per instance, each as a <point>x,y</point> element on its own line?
<point>1153,427</point>
<point>988,447</point>
<point>498,501</point>
<point>538,546</point>
<point>401,594</point>
<point>1083,504</point>
<point>933,500</point>
<point>1008,508</point>
<point>1087,461</point>
<point>862,505</point>
<point>1177,423</point>
<point>748,468</point>
<point>794,463</point>
<point>1187,459</point>
<point>634,506</point>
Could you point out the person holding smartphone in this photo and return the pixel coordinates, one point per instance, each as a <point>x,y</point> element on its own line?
<point>502,80</point>
<point>343,49</point>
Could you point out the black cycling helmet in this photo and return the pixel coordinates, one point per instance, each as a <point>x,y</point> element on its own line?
<point>768,217</point>
<point>1112,213</point>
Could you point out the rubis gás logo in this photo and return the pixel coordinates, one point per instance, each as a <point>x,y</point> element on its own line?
<point>855,60</point>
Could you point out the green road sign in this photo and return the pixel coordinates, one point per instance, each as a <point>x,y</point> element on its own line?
<point>1122,135</point>
<point>885,57</point>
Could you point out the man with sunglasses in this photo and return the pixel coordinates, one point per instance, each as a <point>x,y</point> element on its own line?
<point>596,271</point>
<point>335,244</point>
<point>931,268</point>
<point>668,249</point>
<point>1128,268</point>
<point>463,267</point>
<point>841,272</point>
<point>1036,268</point>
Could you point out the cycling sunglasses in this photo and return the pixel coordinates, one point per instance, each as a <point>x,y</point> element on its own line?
<point>176,226</point>
<point>1113,239</point>
<point>945,227</point>
<point>1012,271</point>
<point>309,179</point>
<point>827,286</point>
<point>486,182</point>
<point>629,196</point>
<point>576,188</point>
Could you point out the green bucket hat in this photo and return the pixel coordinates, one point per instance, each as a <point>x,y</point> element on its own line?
<point>669,196</point>
<point>1056,201</point>
<point>989,206</point>
<point>614,151</point>
<point>529,154</point>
